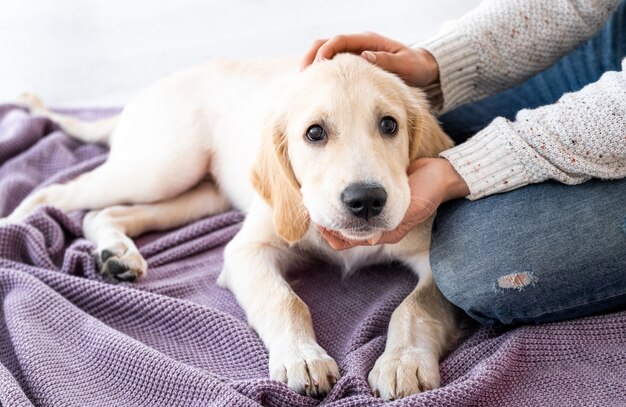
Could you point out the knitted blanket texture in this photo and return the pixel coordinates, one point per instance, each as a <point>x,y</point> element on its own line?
<point>68,338</point>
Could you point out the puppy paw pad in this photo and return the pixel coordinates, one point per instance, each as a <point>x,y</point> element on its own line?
<point>121,266</point>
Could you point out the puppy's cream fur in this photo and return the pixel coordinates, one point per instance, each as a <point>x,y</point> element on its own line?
<point>185,148</point>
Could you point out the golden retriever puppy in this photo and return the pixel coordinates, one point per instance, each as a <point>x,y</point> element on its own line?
<point>329,146</point>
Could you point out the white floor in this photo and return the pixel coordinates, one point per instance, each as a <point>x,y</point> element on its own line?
<point>100,52</point>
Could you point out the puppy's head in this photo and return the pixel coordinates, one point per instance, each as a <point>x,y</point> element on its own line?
<point>339,149</point>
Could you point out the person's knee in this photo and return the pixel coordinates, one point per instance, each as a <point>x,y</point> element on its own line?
<point>474,298</point>
<point>499,302</point>
<point>486,292</point>
<point>465,265</point>
<point>513,258</point>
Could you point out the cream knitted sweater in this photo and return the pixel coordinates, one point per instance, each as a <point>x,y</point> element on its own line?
<point>504,42</point>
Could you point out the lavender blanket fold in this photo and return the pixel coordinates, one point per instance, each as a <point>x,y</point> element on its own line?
<point>68,338</point>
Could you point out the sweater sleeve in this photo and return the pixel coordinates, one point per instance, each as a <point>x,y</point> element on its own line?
<point>503,42</point>
<point>582,135</point>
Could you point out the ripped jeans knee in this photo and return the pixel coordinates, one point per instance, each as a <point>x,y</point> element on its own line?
<point>542,253</point>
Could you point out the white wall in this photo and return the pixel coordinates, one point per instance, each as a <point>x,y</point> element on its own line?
<point>99,52</point>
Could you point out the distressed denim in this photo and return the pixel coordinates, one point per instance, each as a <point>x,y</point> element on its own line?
<point>545,252</point>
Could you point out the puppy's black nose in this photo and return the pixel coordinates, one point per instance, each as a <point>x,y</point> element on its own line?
<point>364,200</point>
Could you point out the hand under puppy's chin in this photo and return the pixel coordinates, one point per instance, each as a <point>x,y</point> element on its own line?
<point>370,237</point>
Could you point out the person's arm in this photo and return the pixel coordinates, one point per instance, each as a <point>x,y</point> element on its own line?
<point>503,42</point>
<point>581,136</point>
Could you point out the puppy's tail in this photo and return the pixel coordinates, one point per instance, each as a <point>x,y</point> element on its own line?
<point>97,131</point>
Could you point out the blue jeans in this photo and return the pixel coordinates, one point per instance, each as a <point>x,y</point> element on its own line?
<point>545,252</point>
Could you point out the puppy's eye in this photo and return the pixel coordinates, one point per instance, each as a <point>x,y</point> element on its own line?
<point>316,133</point>
<point>388,125</point>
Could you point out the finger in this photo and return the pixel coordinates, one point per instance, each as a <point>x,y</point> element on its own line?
<point>310,54</point>
<point>382,59</point>
<point>399,233</point>
<point>392,237</point>
<point>375,239</point>
<point>339,242</point>
<point>391,62</point>
<point>420,209</point>
<point>334,239</point>
<point>355,44</point>
<point>328,233</point>
<point>339,245</point>
<point>417,213</point>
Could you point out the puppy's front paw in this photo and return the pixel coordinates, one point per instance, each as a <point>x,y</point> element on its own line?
<point>305,367</point>
<point>400,372</point>
<point>120,263</point>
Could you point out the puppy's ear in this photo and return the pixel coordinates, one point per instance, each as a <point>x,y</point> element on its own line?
<point>274,180</point>
<point>426,138</point>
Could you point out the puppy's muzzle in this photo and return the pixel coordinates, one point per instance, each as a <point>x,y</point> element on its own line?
<point>364,200</point>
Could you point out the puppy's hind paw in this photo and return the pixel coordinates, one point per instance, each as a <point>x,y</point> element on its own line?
<point>120,265</point>
<point>31,102</point>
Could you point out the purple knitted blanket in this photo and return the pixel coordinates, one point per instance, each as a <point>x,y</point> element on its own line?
<point>176,339</point>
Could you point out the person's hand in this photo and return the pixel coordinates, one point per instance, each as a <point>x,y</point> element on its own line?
<point>416,66</point>
<point>432,181</point>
